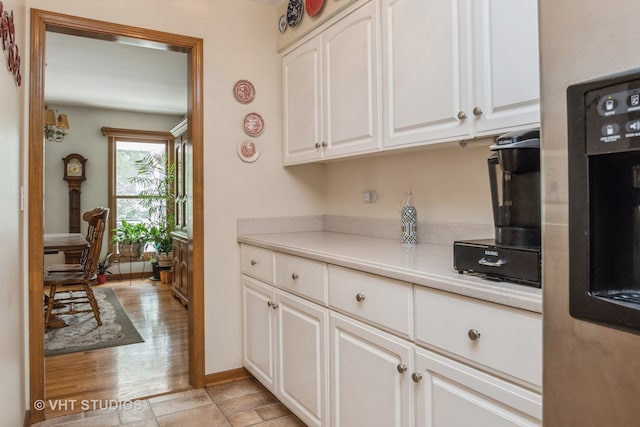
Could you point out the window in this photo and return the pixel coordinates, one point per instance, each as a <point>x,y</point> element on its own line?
<point>125,199</point>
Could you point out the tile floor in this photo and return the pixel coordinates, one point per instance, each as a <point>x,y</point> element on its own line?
<point>237,404</point>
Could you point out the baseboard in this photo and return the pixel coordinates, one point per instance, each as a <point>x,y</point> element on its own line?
<point>225,377</point>
<point>126,276</point>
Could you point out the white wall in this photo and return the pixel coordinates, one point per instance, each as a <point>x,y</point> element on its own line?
<point>13,292</point>
<point>448,184</point>
<point>239,43</point>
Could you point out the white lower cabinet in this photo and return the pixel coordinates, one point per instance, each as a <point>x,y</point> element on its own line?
<point>370,378</point>
<point>302,358</point>
<point>259,331</point>
<point>357,363</point>
<point>285,348</point>
<point>451,394</point>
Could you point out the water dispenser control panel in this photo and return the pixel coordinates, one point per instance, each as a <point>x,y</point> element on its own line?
<point>613,118</point>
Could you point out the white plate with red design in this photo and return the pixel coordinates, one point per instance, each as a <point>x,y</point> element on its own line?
<point>248,151</point>
<point>253,124</point>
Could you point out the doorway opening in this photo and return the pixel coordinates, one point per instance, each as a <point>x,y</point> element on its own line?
<point>41,22</point>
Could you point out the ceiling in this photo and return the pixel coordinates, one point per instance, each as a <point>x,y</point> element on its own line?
<point>86,72</point>
<point>96,73</point>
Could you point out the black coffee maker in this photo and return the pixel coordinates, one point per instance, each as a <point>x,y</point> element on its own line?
<point>514,178</point>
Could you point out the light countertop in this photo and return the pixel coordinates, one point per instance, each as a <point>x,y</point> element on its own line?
<point>428,265</point>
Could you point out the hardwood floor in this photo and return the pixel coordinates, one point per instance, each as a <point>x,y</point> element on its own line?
<point>156,366</point>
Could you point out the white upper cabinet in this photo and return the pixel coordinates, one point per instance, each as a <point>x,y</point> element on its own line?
<point>330,83</point>
<point>454,69</point>
<point>351,84</point>
<point>506,74</point>
<point>405,73</point>
<point>302,84</point>
<point>424,71</point>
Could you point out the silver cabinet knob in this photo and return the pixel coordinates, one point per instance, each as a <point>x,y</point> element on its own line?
<point>477,111</point>
<point>317,145</point>
<point>254,262</point>
<point>416,377</point>
<point>360,297</point>
<point>324,144</point>
<point>474,335</point>
<point>462,115</point>
<point>295,276</point>
<point>402,368</point>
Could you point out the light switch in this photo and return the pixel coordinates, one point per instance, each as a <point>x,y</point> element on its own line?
<point>370,196</point>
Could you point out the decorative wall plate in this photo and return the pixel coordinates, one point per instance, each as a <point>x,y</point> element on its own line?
<point>253,124</point>
<point>314,7</point>
<point>295,10</point>
<point>248,151</point>
<point>282,23</point>
<point>243,91</point>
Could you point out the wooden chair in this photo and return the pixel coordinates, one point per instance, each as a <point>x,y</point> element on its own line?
<point>77,283</point>
<point>91,218</point>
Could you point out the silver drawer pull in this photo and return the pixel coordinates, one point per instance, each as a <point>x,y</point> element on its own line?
<point>486,262</point>
<point>416,377</point>
<point>474,334</point>
<point>295,276</point>
<point>360,297</point>
<point>402,368</point>
<point>254,262</point>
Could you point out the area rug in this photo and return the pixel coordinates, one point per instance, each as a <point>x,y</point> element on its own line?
<point>83,332</point>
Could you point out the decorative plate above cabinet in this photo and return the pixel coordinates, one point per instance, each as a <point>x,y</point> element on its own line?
<point>295,10</point>
<point>314,6</point>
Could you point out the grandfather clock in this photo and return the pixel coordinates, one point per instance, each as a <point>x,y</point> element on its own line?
<point>74,174</point>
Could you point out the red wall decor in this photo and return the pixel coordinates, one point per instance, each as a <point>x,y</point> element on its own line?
<point>8,39</point>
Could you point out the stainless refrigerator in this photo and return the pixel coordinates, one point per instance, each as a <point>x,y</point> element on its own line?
<point>591,367</point>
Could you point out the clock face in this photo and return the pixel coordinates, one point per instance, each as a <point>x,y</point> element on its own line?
<point>74,168</point>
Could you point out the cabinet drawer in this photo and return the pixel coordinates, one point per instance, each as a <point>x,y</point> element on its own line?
<point>302,276</point>
<point>257,262</point>
<point>509,341</point>
<point>384,302</point>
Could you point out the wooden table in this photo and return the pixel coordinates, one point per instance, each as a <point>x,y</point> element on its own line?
<point>64,242</point>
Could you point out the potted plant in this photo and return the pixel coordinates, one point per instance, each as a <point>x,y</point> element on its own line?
<point>155,177</point>
<point>130,238</point>
<point>104,263</point>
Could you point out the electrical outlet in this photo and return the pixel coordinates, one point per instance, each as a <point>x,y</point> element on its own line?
<point>370,196</point>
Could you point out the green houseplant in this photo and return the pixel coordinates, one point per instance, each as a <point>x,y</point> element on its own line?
<point>155,175</point>
<point>104,263</point>
<point>130,238</point>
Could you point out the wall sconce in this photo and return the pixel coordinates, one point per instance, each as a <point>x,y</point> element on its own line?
<point>54,126</point>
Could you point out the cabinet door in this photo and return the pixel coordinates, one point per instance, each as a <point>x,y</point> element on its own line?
<point>351,84</point>
<point>450,394</point>
<point>184,269</point>
<point>506,56</point>
<point>258,352</point>
<point>425,87</point>
<point>367,385</point>
<point>302,97</point>
<point>302,358</point>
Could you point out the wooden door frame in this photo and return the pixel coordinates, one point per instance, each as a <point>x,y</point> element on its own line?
<point>42,21</point>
